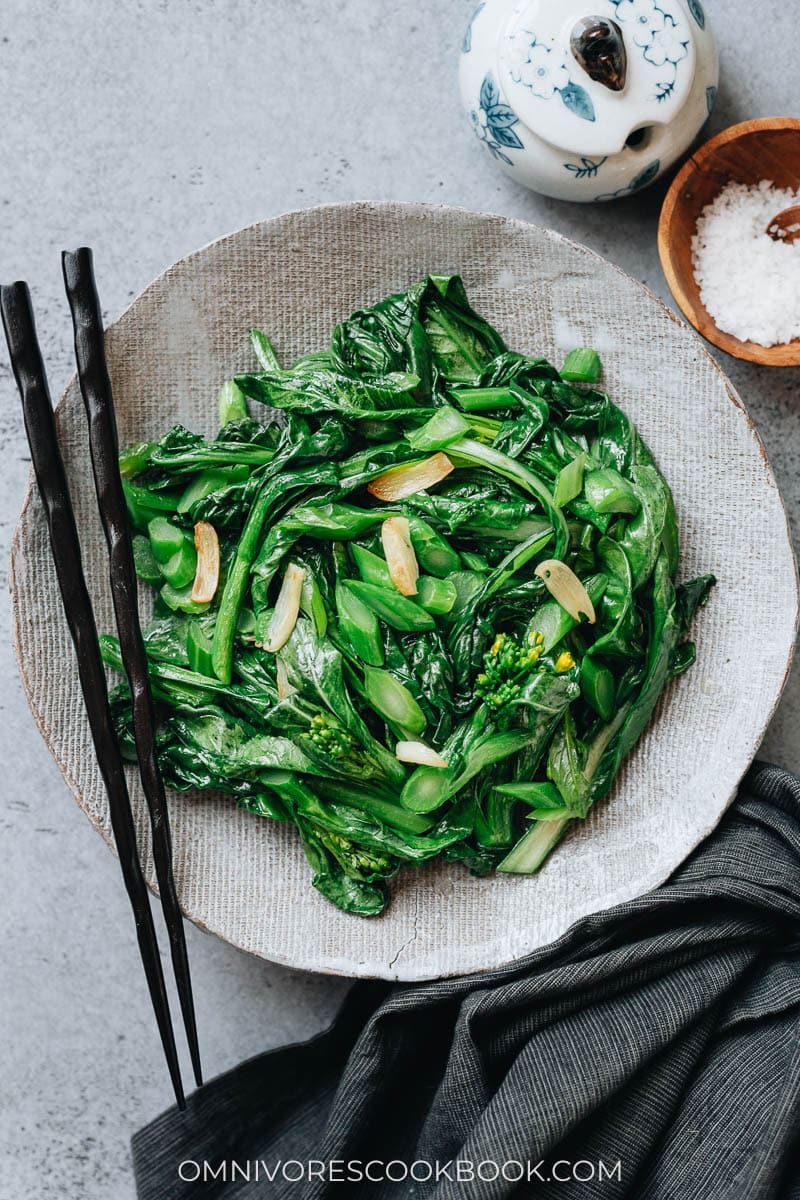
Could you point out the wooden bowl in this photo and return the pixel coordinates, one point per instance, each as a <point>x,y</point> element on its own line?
<point>746,153</point>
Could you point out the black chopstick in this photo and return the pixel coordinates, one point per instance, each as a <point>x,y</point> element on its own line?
<point>29,373</point>
<point>98,402</point>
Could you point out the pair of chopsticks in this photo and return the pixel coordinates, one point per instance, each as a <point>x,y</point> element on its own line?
<point>29,372</point>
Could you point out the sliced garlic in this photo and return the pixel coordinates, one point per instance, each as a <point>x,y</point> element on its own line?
<point>287,609</point>
<point>400,557</point>
<point>564,586</point>
<point>206,578</point>
<point>285,689</point>
<point>419,754</point>
<point>404,481</point>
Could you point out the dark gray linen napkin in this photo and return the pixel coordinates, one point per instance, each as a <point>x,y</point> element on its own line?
<point>653,1051</point>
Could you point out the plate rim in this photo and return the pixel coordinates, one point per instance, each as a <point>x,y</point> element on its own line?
<point>624,894</point>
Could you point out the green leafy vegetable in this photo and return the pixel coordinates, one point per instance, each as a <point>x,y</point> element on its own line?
<point>360,625</point>
<point>609,492</point>
<point>569,483</point>
<point>582,366</point>
<point>445,426</point>
<point>232,404</point>
<point>437,596</point>
<point>397,611</point>
<point>523,714</point>
<point>393,701</point>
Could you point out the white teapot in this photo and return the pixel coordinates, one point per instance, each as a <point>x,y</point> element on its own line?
<point>588,99</point>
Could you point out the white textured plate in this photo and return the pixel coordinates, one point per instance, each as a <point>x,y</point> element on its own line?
<point>246,879</point>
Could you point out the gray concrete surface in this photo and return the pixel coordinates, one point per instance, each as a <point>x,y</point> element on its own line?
<point>146,129</point>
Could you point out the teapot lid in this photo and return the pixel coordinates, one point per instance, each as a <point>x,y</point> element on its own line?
<point>586,74</point>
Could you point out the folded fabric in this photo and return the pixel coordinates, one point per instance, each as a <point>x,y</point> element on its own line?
<point>652,1052</point>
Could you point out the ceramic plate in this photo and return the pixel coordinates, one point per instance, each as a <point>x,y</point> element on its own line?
<point>246,879</point>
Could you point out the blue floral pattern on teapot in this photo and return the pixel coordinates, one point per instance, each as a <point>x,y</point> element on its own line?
<point>663,42</point>
<point>519,71</point>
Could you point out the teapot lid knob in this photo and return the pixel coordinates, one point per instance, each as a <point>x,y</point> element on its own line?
<point>598,46</point>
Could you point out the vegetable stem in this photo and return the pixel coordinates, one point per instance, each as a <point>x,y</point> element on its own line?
<point>468,451</point>
<point>532,850</point>
<point>582,366</point>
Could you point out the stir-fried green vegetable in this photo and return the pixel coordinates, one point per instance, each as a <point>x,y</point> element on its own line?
<point>443,606</point>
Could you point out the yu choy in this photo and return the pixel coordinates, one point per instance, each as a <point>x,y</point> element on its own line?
<point>416,597</point>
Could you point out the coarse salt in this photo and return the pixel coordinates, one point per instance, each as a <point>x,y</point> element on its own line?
<point>749,282</point>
